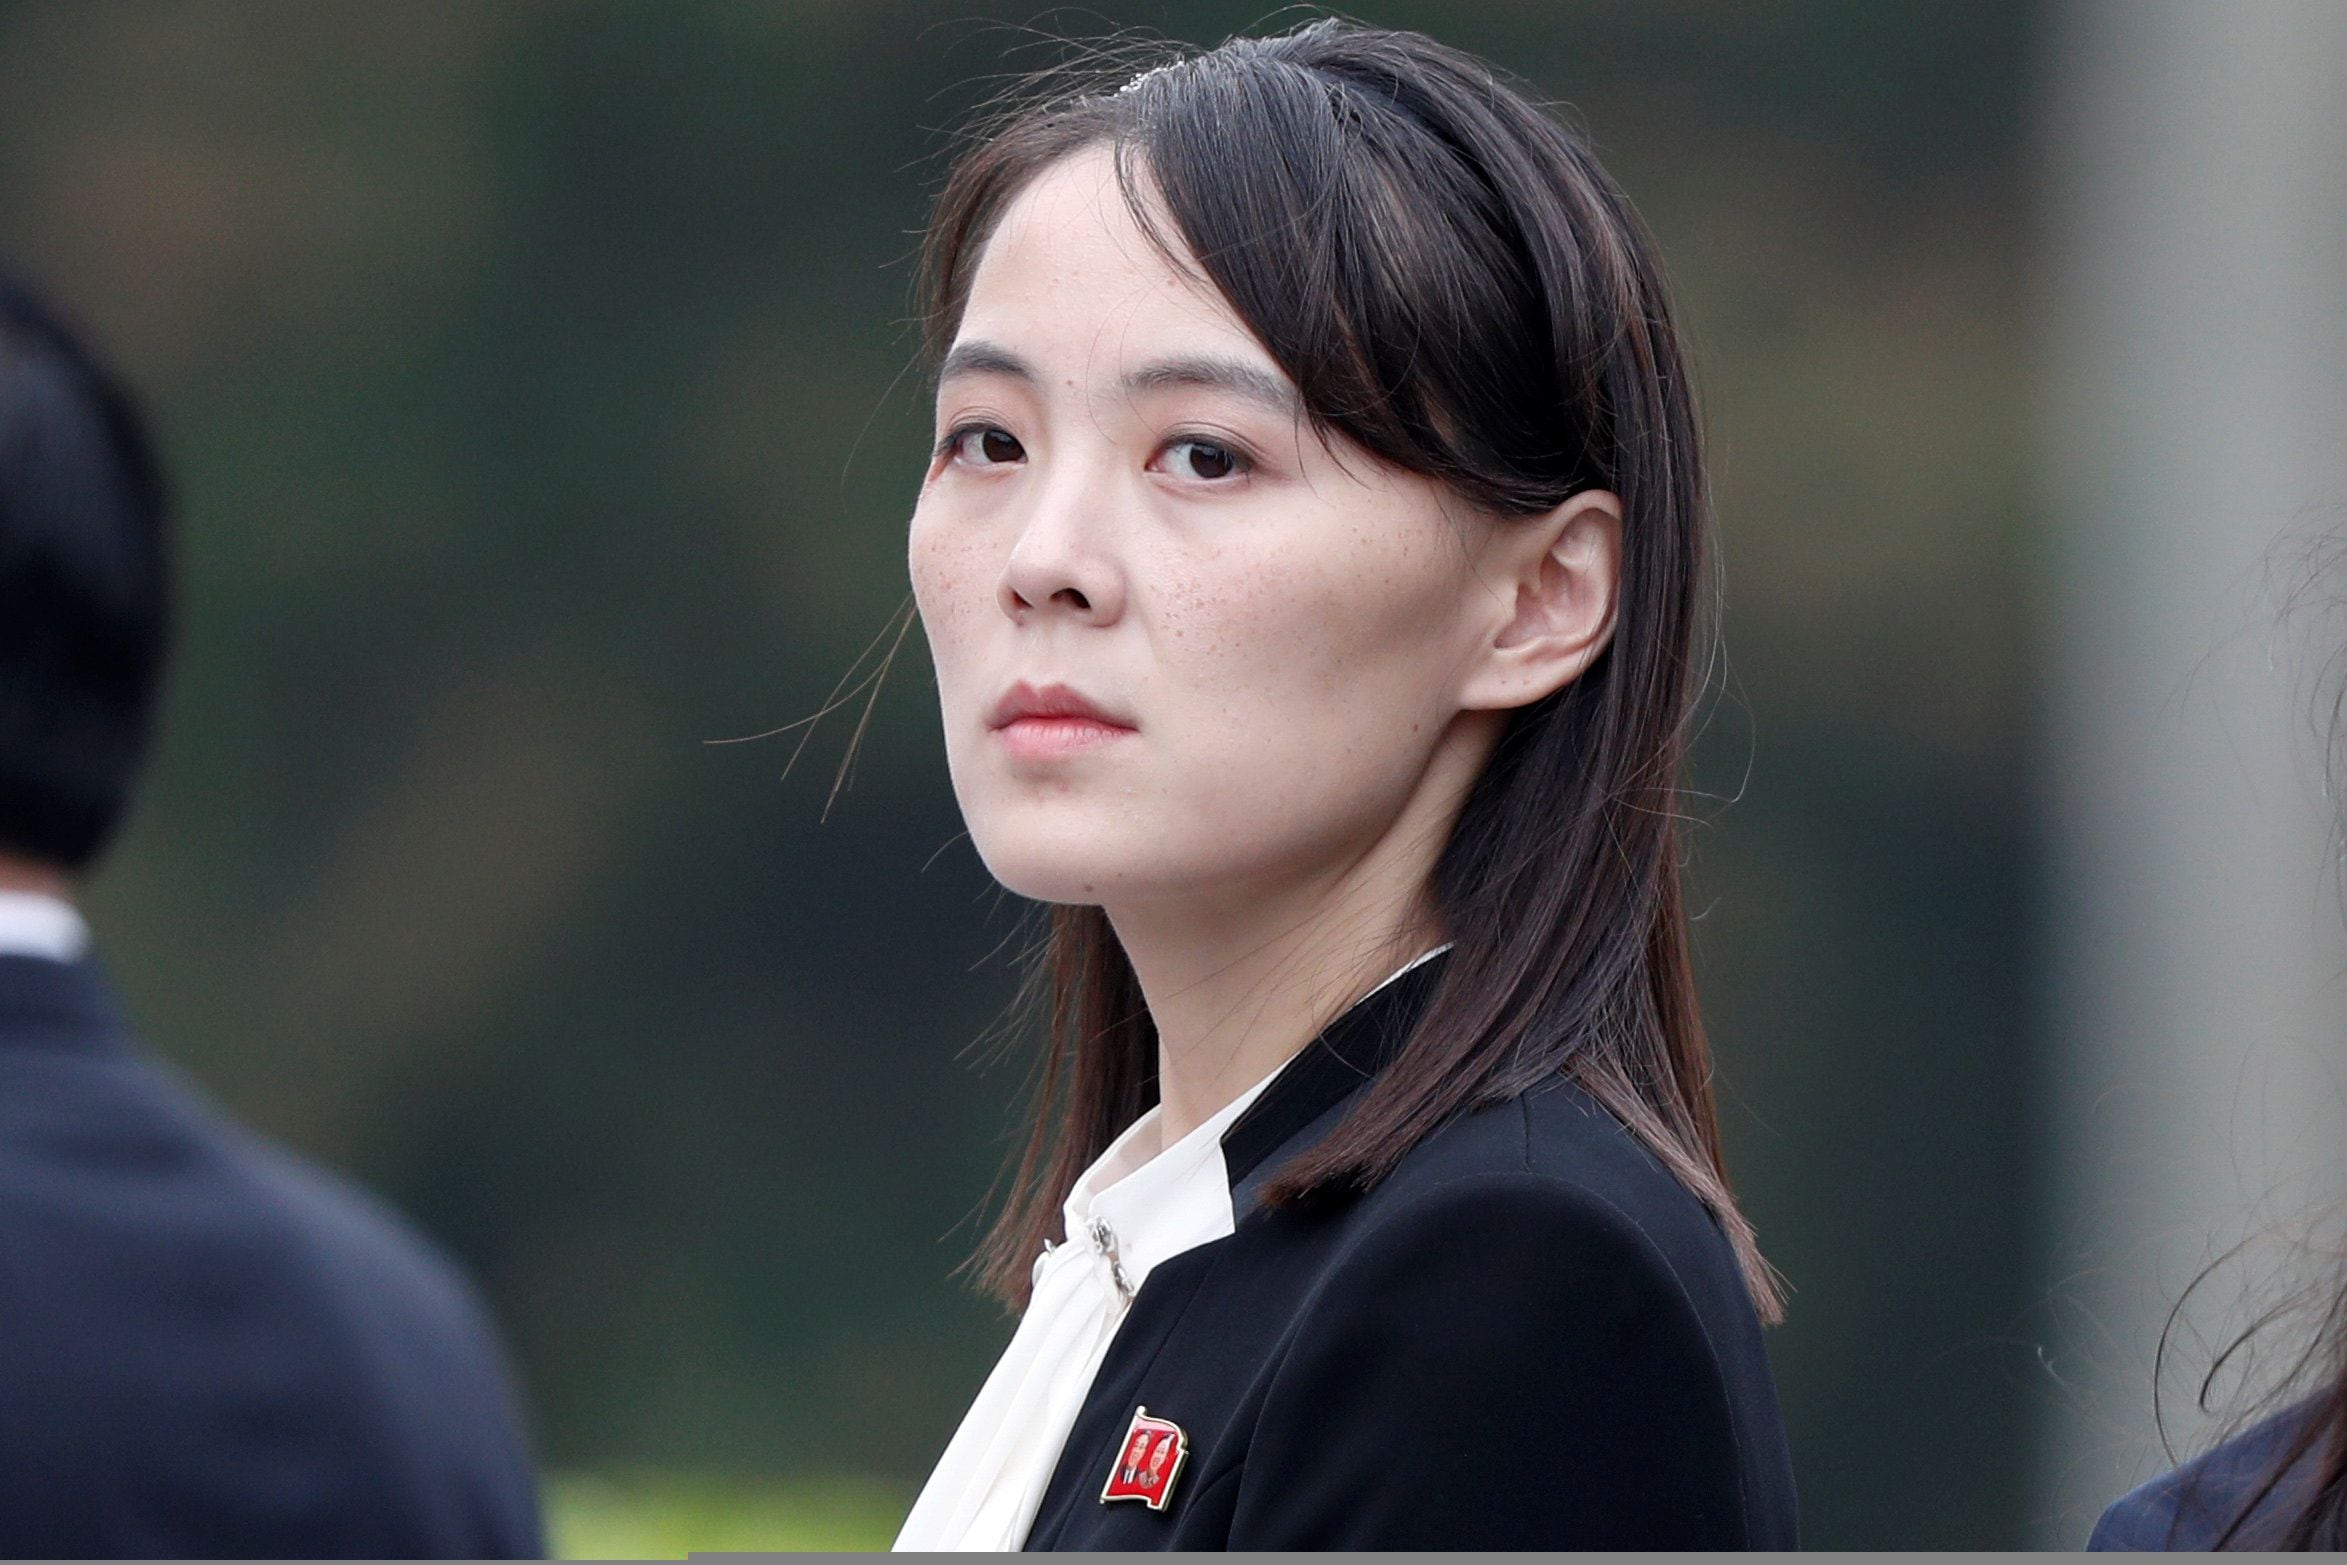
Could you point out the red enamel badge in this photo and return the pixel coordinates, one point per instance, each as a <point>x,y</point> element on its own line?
<point>1148,1462</point>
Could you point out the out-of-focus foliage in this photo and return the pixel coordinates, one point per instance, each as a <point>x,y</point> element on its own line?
<point>656,1516</point>
<point>535,377</point>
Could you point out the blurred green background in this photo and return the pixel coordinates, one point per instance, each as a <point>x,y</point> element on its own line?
<point>536,381</point>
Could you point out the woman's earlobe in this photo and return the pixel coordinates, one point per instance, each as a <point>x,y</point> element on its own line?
<point>1566,567</point>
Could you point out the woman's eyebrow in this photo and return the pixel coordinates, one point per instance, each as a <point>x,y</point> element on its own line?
<point>1238,378</point>
<point>980,357</point>
<point>1209,372</point>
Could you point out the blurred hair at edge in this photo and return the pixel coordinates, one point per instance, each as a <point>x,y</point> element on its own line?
<point>85,591</point>
<point>1456,289</point>
<point>2295,1498</point>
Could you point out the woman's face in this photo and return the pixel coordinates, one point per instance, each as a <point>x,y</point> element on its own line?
<point>1182,646</point>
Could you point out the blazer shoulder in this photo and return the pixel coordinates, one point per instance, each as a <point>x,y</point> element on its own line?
<point>1554,1178</point>
<point>172,1168</point>
<point>403,1312</point>
<point>1557,1149</point>
<point>1527,1313</point>
<point>163,1222</point>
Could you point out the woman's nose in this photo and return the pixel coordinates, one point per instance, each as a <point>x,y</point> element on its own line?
<point>1063,562</point>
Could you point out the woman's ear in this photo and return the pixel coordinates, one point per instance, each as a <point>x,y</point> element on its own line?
<point>1565,569</point>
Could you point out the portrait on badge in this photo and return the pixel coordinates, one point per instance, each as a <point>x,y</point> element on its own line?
<point>1313,560</point>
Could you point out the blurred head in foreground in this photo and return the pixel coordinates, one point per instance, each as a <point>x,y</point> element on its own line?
<point>214,1348</point>
<point>85,597</point>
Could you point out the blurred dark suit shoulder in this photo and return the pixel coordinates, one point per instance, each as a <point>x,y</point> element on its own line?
<point>210,1347</point>
<point>2231,1488</point>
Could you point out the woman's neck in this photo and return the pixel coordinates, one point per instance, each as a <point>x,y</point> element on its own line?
<point>1238,987</point>
<point>1231,1011</point>
<point>1238,981</point>
<point>18,874</point>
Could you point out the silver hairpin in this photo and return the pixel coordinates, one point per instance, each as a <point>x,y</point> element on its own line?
<point>1154,70</point>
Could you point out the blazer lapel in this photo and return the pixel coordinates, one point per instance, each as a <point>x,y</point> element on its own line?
<point>1305,1101</point>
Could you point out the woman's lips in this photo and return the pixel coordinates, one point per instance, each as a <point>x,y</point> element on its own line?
<point>1041,738</point>
<point>1037,722</point>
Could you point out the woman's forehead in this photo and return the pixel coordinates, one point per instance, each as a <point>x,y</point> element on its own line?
<point>1072,280</point>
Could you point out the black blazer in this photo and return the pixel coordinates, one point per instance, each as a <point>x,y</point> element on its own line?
<point>1530,1336</point>
<point>208,1347</point>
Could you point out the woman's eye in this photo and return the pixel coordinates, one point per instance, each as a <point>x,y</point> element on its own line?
<point>988,447</point>
<point>1203,459</point>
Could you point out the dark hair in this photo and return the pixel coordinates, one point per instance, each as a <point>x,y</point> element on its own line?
<point>2321,1443</point>
<point>1456,287</point>
<point>84,589</point>
<point>2322,1526</point>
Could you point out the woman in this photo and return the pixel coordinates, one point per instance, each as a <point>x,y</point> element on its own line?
<point>1311,557</point>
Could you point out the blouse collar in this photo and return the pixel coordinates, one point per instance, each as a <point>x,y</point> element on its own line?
<point>1143,1204</point>
<point>35,924</point>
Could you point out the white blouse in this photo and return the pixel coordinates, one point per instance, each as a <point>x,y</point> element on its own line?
<point>1135,1208</point>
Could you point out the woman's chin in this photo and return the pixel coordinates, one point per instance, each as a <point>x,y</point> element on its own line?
<point>1058,881</point>
<point>1059,867</point>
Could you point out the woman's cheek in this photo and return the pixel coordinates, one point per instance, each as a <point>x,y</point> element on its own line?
<point>946,578</point>
<point>1312,636</point>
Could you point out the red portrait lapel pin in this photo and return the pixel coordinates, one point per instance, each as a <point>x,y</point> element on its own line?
<point>1147,1461</point>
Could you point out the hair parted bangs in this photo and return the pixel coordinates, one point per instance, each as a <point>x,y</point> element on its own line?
<point>1457,288</point>
<point>1371,260</point>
